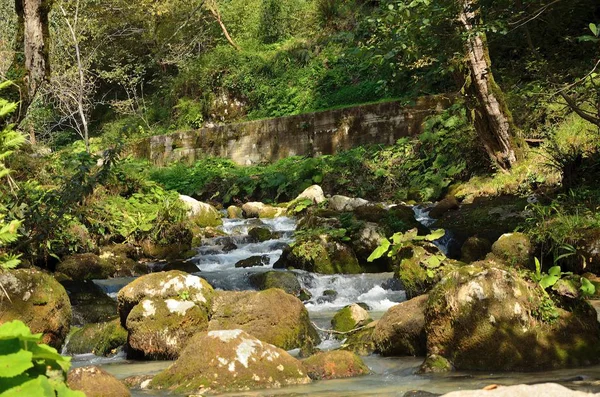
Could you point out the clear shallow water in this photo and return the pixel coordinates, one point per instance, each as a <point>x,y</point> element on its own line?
<point>389,377</point>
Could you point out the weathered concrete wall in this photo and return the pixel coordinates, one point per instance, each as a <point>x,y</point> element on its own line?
<point>310,134</point>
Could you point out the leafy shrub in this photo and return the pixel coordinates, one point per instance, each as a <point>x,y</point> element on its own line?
<point>30,368</point>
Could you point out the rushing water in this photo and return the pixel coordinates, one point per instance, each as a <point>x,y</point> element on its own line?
<point>389,377</point>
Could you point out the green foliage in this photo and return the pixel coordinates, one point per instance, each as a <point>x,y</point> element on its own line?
<point>400,240</point>
<point>271,28</point>
<point>28,368</point>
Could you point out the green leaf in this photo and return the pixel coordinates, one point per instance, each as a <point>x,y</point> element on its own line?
<point>5,84</point>
<point>594,29</point>
<point>15,364</point>
<point>554,271</point>
<point>63,391</point>
<point>384,246</point>
<point>436,234</point>
<point>38,387</point>
<point>587,287</point>
<point>434,261</point>
<point>548,281</point>
<point>17,329</point>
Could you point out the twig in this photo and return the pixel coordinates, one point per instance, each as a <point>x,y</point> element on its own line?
<point>332,331</point>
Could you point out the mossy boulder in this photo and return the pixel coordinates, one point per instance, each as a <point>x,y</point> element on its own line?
<point>123,250</point>
<point>160,328</point>
<point>401,218</point>
<point>475,249</point>
<point>365,240</point>
<point>284,280</point>
<point>334,364</point>
<point>320,255</point>
<point>361,341</point>
<point>229,360</point>
<point>435,364</point>
<point>487,317</point>
<point>345,204</point>
<point>260,210</point>
<point>349,318</point>
<point>515,249</point>
<point>420,265</point>
<point>175,242</point>
<point>172,284</point>
<point>102,339</point>
<point>272,316</point>
<point>401,330</point>
<point>260,234</point>
<point>313,193</point>
<point>181,265</point>
<point>202,214</point>
<point>253,261</point>
<point>96,382</point>
<point>81,267</point>
<point>89,303</point>
<point>39,301</point>
<point>234,212</point>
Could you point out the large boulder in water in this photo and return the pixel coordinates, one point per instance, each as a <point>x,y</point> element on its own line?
<point>160,328</point>
<point>284,280</point>
<point>102,339</point>
<point>96,382</point>
<point>487,317</point>
<point>202,214</point>
<point>272,316</point>
<point>334,364</point>
<point>229,360</point>
<point>173,284</point>
<point>260,210</point>
<point>401,330</point>
<point>361,340</point>
<point>80,267</point>
<point>350,317</point>
<point>39,301</point>
<point>320,255</point>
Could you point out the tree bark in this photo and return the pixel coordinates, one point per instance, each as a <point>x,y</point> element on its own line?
<point>32,47</point>
<point>491,116</point>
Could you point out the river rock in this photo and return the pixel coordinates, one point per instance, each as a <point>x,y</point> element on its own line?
<point>365,240</point>
<point>401,330</point>
<point>122,250</point>
<point>181,265</point>
<point>420,265</point>
<point>229,360</point>
<point>539,390</point>
<point>89,303</point>
<point>474,249</point>
<point>260,210</point>
<point>172,284</point>
<point>320,255</point>
<point>361,341</point>
<point>253,261</point>
<point>313,193</point>
<point>203,214</point>
<point>345,204</point>
<point>334,364</point>
<point>284,280</point>
<point>102,339</point>
<point>96,382</point>
<point>160,328</point>
<point>234,212</point>
<point>272,316</point>
<point>80,267</point>
<point>175,243</point>
<point>514,248</point>
<point>486,317</point>
<point>447,204</point>
<point>39,301</point>
<point>350,317</point>
<point>260,234</point>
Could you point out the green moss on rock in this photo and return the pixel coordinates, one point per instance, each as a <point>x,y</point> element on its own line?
<point>160,328</point>
<point>101,339</point>
<point>171,284</point>
<point>39,301</point>
<point>260,234</point>
<point>514,248</point>
<point>350,317</point>
<point>272,316</point>
<point>284,280</point>
<point>320,255</point>
<point>361,341</point>
<point>229,360</point>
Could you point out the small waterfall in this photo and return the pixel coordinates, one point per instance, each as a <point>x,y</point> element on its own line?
<point>422,216</point>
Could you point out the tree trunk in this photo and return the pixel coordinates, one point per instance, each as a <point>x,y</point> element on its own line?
<point>32,48</point>
<point>491,116</point>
